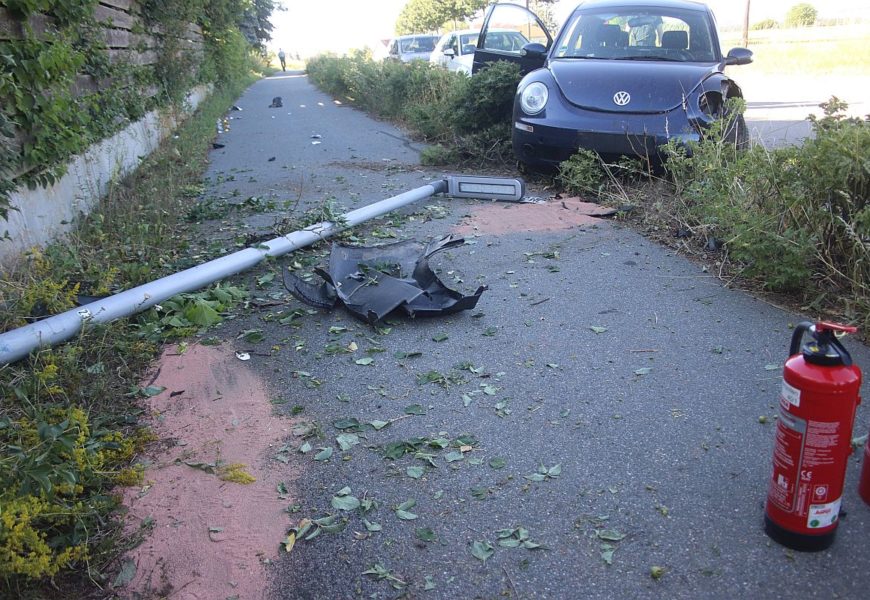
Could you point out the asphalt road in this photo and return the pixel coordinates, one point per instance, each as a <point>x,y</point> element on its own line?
<point>777,106</point>
<point>653,420</point>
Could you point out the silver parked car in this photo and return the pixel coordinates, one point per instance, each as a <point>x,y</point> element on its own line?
<point>412,47</point>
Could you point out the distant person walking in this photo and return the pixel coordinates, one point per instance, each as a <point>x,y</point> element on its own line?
<point>282,57</point>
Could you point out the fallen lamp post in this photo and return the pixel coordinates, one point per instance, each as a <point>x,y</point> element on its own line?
<point>18,343</point>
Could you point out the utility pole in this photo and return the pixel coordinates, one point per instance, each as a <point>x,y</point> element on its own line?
<point>746,26</point>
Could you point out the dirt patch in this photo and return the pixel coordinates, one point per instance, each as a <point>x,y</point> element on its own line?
<point>211,537</point>
<point>553,215</point>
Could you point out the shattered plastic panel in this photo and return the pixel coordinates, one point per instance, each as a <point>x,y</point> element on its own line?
<point>374,281</point>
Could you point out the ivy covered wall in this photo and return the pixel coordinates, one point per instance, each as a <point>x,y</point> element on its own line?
<point>73,72</point>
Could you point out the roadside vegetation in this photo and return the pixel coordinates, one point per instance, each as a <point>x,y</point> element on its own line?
<point>793,220</point>
<point>466,120</point>
<point>69,416</point>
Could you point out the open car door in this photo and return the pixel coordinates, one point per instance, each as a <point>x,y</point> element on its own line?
<point>507,28</point>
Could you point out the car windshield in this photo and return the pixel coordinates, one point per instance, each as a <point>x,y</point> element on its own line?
<point>633,33</point>
<point>418,44</point>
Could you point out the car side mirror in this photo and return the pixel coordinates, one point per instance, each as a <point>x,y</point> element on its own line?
<point>534,50</point>
<point>449,52</point>
<point>738,56</point>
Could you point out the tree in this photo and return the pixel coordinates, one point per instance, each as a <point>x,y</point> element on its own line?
<point>801,15</point>
<point>255,25</point>
<point>429,15</point>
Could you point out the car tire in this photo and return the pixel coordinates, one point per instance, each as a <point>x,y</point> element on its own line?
<point>736,133</point>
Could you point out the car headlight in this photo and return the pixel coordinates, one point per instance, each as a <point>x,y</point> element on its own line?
<point>534,97</point>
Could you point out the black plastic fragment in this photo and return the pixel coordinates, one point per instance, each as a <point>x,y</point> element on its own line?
<point>374,281</point>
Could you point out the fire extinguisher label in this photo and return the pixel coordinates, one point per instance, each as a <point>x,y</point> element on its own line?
<point>790,394</point>
<point>823,515</point>
<point>787,454</point>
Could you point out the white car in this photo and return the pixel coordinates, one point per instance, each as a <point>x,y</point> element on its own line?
<point>455,51</point>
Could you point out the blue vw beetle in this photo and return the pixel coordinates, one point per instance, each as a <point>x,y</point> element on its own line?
<point>622,77</point>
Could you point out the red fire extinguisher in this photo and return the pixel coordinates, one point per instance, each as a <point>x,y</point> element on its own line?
<point>813,439</point>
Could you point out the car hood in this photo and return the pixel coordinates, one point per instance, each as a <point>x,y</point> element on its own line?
<point>653,87</point>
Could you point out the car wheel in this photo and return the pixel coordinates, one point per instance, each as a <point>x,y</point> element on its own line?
<point>736,133</point>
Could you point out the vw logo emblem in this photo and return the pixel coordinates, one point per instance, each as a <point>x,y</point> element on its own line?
<point>621,98</point>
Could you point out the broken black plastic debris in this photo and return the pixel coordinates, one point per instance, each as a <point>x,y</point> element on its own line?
<point>272,159</point>
<point>713,245</point>
<point>218,146</point>
<point>235,107</point>
<point>374,281</point>
<point>276,102</point>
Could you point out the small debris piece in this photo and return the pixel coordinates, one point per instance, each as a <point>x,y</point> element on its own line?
<point>276,102</point>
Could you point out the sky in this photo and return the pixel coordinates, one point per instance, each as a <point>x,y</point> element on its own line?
<point>313,26</point>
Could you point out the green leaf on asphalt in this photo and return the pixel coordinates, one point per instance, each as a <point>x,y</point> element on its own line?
<point>283,493</point>
<point>403,510</point>
<point>597,329</point>
<point>479,493</point>
<point>440,337</point>
<point>439,442</point>
<point>414,472</point>
<point>497,462</point>
<point>454,456</point>
<point>402,355</point>
<point>489,332</point>
<point>466,400</point>
<point>607,553</point>
<point>656,572</point>
<point>335,329</point>
<point>372,526</point>
<point>425,456</point>
<point>554,471</point>
<point>305,448</point>
<point>347,423</point>
<point>425,534</point>
<point>430,583</point>
<point>772,367</point>
<point>346,441</point>
<point>482,550</point>
<point>343,500</point>
<point>643,371</point>
<point>489,390</point>
<point>610,535</point>
<point>535,477</point>
<point>378,425</point>
<point>364,361</point>
<point>415,409</point>
<point>405,515</point>
<point>324,454</point>
<point>151,391</point>
<point>466,439</point>
<point>252,336</point>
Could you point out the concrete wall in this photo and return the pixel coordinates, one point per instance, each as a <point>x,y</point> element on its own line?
<point>45,214</point>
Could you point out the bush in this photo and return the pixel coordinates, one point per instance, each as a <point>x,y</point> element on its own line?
<point>765,24</point>
<point>797,219</point>
<point>801,15</point>
<point>468,117</point>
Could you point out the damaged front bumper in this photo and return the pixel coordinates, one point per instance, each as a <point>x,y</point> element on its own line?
<point>374,281</point>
